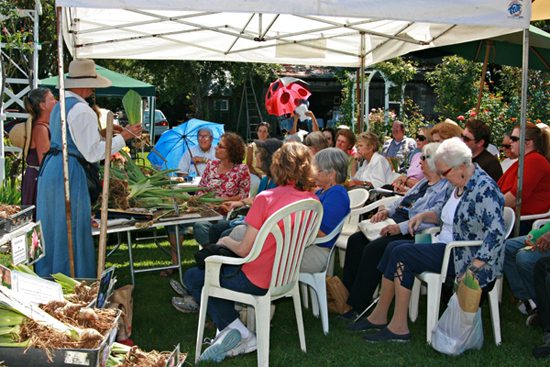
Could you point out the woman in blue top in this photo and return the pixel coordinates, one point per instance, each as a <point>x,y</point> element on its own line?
<point>332,167</point>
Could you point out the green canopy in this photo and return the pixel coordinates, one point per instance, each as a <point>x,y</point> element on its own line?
<point>505,50</point>
<point>121,84</point>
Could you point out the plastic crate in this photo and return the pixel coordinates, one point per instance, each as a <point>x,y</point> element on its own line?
<point>36,357</point>
<point>18,220</point>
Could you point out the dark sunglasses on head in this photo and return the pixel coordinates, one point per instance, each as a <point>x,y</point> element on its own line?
<point>420,137</point>
<point>466,139</point>
<point>424,157</point>
<point>506,146</point>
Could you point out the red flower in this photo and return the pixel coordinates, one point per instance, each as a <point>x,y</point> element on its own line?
<point>460,117</point>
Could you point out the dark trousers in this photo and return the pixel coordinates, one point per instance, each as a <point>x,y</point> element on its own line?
<point>361,276</point>
<point>542,289</point>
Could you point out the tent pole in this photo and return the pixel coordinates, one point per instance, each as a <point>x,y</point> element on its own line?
<point>358,96</point>
<point>65,155</point>
<point>540,57</point>
<point>484,72</point>
<point>523,120</point>
<point>362,94</point>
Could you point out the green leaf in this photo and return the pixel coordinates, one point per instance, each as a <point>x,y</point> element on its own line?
<point>132,106</point>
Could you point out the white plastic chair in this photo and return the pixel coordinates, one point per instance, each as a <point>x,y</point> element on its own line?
<point>318,281</point>
<point>535,216</point>
<point>435,280</point>
<point>300,222</point>
<point>254,185</point>
<point>351,225</point>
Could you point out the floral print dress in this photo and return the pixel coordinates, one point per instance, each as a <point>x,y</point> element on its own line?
<point>234,182</point>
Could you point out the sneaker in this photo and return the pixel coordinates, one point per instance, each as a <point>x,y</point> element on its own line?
<point>187,304</point>
<point>180,288</point>
<point>365,325</point>
<point>534,320</point>
<point>386,335</point>
<point>527,307</point>
<point>224,342</point>
<point>348,316</point>
<point>247,345</point>
<point>544,350</point>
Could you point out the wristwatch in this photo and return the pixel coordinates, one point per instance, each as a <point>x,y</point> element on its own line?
<point>474,269</point>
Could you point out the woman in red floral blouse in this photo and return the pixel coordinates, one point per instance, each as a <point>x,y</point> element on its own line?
<point>228,177</point>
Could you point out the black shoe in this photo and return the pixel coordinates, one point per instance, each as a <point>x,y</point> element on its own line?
<point>365,325</point>
<point>348,316</point>
<point>542,351</point>
<point>386,335</point>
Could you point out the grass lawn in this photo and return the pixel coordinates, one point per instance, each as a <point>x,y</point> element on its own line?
<point>157,325</point>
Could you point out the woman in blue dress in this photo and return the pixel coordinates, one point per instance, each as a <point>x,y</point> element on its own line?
<point>83,141</point>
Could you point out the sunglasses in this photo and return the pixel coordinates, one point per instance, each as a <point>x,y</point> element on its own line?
<point>506,146</point>
<point>420,137</point>
<point>466,139</point>
<point>424,157</point>
<point>444,174</point>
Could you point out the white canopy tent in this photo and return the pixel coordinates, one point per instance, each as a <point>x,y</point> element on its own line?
<point>352,33</point>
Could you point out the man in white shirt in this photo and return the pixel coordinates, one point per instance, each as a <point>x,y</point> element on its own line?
<point>200,154</point>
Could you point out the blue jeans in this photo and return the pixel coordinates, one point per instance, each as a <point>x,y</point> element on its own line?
<point>519,268</point>
<point>221,311</point>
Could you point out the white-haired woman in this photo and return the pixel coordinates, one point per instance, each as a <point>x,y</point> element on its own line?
<point>332,169</point>
<point>376,170</point>
<point>473,211</point>
<point>361,276</point>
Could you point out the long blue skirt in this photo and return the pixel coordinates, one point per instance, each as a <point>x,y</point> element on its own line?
<point>51,212</point>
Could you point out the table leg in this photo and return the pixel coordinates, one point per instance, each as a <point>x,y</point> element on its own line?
<point>178,251</point>
<point>130,258</point>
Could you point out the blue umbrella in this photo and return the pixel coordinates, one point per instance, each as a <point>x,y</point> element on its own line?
<point>173,143</point>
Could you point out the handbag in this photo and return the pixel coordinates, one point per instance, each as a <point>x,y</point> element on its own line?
<point>215,250</point>
<point>337,295</point>
<point>372,230</point>
<point>460,327</point>
<point>93,178</point>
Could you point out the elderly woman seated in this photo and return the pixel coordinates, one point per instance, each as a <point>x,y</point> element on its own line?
<point>331,164</point>
<point>294,175</point>
<point>536,174</point>
<point>473,211</point>
<point>375,170</point>
<point>345,141</point>
<point>316,141</point>
<point>361,277</point>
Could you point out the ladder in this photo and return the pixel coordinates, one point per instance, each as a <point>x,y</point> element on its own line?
<point>249,102</point>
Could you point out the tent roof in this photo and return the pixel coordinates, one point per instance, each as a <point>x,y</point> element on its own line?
<point>317,32</point>
<point>121,84</point>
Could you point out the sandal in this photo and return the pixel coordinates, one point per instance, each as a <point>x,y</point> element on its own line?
<point>168,273</point>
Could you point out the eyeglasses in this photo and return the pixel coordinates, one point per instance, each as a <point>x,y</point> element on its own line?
<point>444,174</point>
<point>204,136</point>
<point>221,147</point>
<point>420,137</point>
<point>425,157</point>
<point>506,146</point>
<point>466,139</point>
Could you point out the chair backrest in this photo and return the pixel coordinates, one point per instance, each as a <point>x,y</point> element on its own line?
<point>254,185</point>
<point>300,224</point>
<point>357,198</point>
<point>509,220</point>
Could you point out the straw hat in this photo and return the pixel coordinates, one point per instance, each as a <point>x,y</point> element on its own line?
<point>82,74</point>
<point>20,135</point>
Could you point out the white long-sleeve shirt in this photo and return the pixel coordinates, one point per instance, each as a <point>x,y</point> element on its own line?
<point>196,150</point>
<point>84,129</point>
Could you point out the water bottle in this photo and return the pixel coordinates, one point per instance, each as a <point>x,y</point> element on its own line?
<point>193,171</point>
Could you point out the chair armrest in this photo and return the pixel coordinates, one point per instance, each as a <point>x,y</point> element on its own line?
<point>432,230</point>
<point>213,265</point>
<point>539,223</point>
<point>375,205</point>
<point>447,255</point>
<point>335,232</point>
<point>535,216</point>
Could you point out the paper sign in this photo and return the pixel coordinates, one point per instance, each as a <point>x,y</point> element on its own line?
<point>301,110</point>
<point>19,249</point>
<point>35,289</point>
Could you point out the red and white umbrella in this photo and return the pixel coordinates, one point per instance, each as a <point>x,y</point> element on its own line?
<point>285,94</point>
